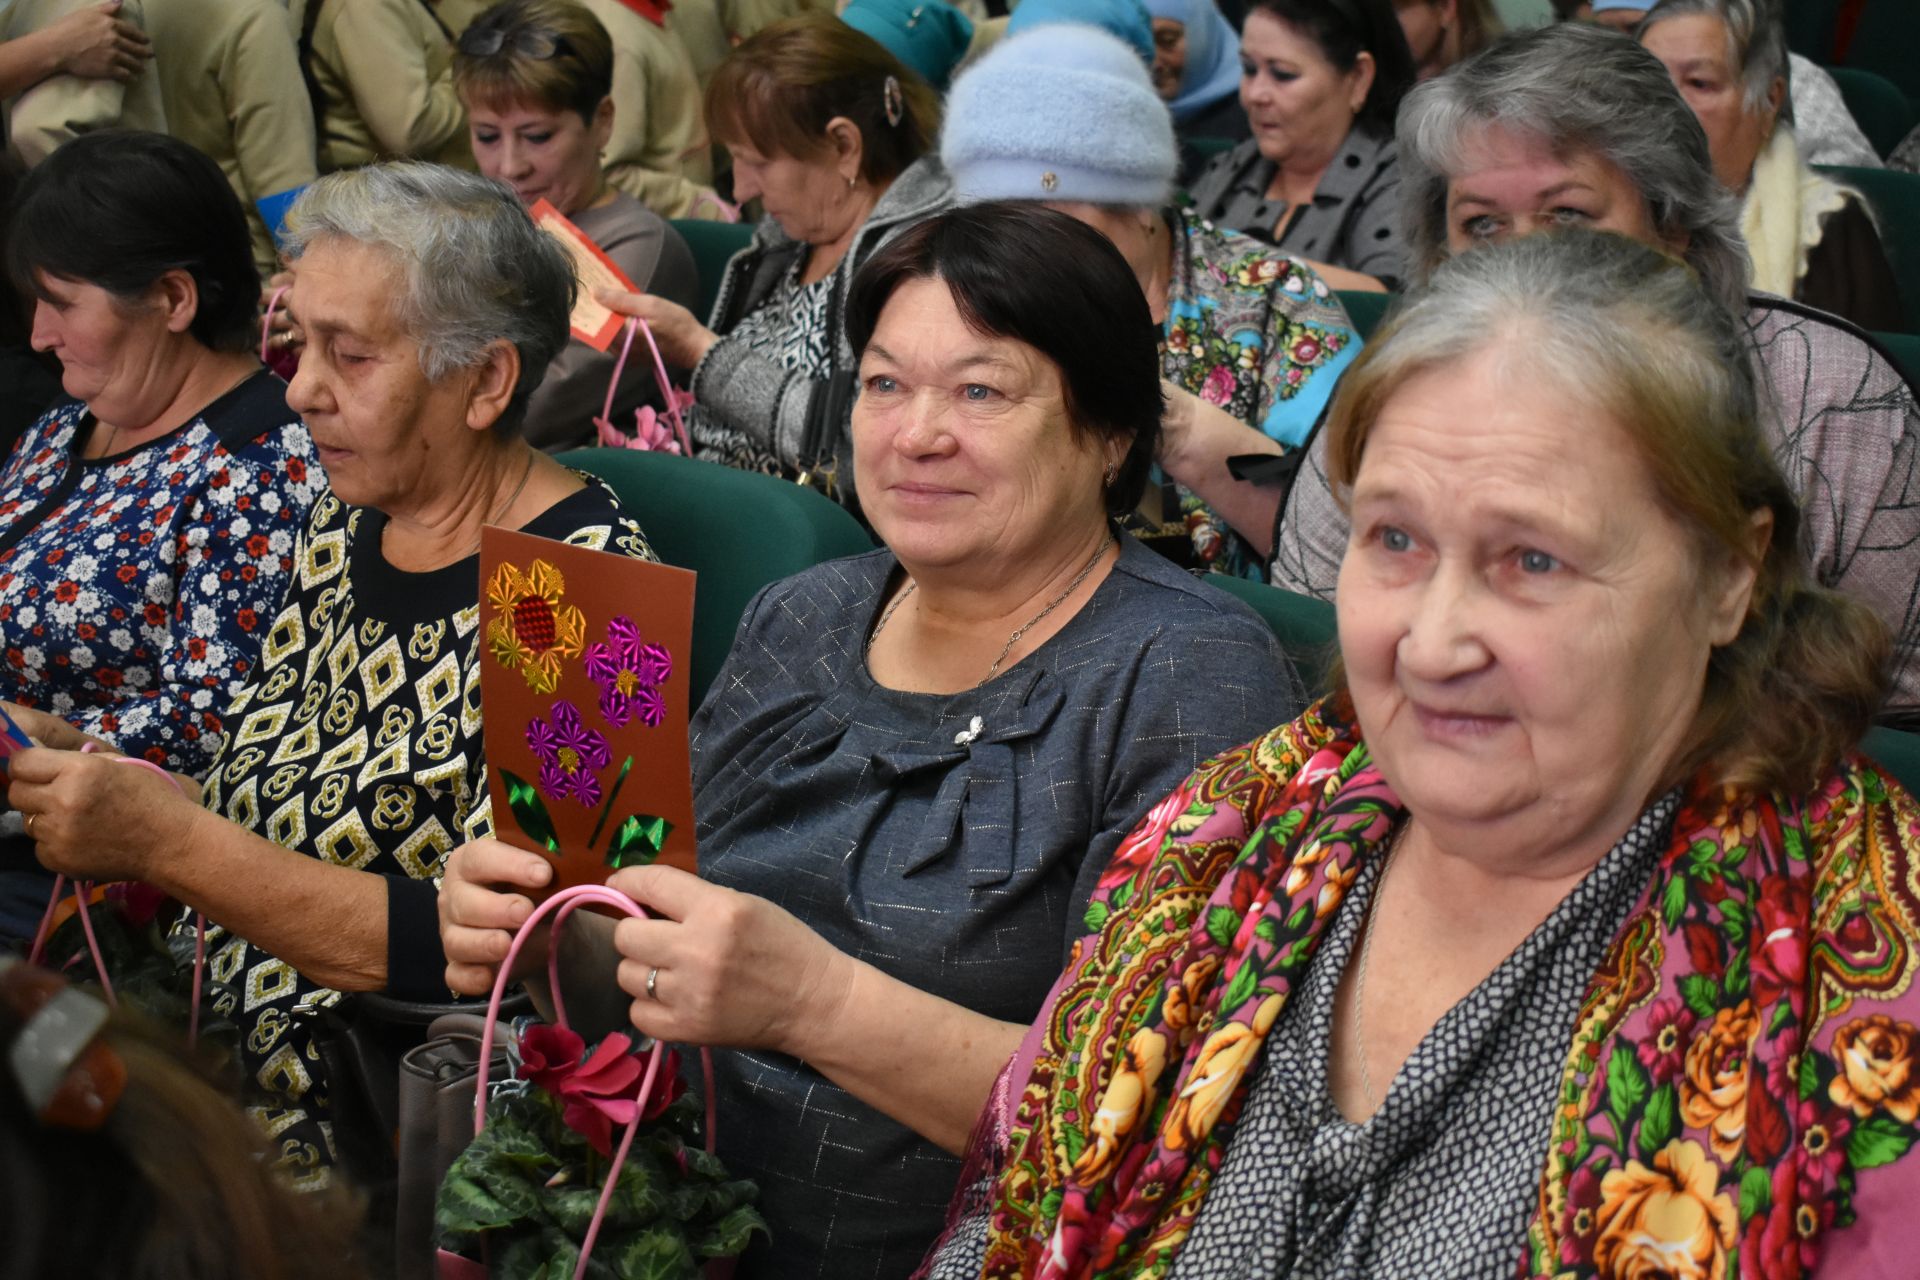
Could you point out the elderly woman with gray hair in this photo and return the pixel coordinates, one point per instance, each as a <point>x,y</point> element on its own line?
<point>354,759</point>
<point>1572,125</point>
<point>1810,238</point>
<point>1569,935</point>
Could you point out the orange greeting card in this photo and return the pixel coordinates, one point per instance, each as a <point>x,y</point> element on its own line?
<point>585,692</point>
<point>592,323</point>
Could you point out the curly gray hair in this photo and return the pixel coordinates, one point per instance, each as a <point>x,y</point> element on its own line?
<point>474,268</point>
<point>1576,87</point>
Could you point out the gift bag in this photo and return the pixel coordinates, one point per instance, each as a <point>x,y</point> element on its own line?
<point>661,433</point>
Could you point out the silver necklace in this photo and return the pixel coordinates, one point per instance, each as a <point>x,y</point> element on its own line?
<point>1013,639</point>
<point>1360,978</point>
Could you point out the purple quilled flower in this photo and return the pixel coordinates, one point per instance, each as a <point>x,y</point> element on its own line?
<point>629,673</point>
<point>570,753</point>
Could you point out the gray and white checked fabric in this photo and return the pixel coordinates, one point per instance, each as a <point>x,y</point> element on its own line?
<point>951,841</point>
<point>1441,1180</point>
<point>1845,428</point>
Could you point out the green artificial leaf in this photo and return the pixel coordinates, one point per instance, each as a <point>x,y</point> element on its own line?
<point>1878,1140</point>
<point>1096,917</point>
<point>1701,993</point>
<point>1222,924</point>
<point>1656,1125</point>
<point>530,811</point>
<point>1627,1087</point>
<point>655,1255</point>
<point>638,841</point>
<point>1756,1193</point>
<point>730,1235</point>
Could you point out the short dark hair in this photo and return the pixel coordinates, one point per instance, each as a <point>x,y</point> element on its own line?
<point>119,209</point>
<point>1343,30</point>
<point>1022,271</point>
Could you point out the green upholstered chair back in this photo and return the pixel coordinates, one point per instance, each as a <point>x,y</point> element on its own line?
<point>1304,625</point>
<point>1367,309</point>
<point>1876,104</point>
<point>1896,752</point>
<point>712,243</point>
<point>1895,198</point>
<point>738,530</point>
<point>1905,350</point>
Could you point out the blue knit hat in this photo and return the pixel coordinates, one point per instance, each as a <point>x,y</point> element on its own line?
<point>1602,6</point>
<point>1126,19</point>
<point>1061,112</point>
<point>927,35</point>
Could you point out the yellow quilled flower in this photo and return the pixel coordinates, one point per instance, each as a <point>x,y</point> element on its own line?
<point>532,632</point>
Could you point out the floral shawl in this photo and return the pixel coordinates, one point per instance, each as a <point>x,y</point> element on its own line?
<point>1744,1074</point>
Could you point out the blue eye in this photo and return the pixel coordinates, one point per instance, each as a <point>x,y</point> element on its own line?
<point>977,393</point>
<point>1395,540</point>
<point>1537,562</point>
<point>880,384</point>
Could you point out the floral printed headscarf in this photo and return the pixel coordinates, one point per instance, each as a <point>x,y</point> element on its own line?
<point>1724,1100</point>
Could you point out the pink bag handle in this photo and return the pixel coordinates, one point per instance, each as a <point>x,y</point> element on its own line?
<point>560,906</point>
<point>605,420</point>
<point>266,323</point>
<point>83,888</point>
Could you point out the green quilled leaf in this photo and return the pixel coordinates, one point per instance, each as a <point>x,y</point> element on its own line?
<point>638,841</point>
<point>530,811</point>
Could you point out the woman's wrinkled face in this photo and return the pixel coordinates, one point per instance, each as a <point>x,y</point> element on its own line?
<point>1525,627</point>
<point>1297,102</point>
<point>1169,56</point>
<point>1514,184</point>
<point>963,454</point>
<point>384,432</point>
<point>111,350</point>
<point>1699,56</point>
<point>809,198</point>
<point>541,153</point>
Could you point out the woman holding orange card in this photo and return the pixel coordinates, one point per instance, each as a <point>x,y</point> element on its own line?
<point>536,77</point>
<point>917,761</point>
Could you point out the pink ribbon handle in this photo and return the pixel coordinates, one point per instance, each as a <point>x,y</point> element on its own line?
<point>609,434</point>
<point>266,323</point>
<point>560,906</point>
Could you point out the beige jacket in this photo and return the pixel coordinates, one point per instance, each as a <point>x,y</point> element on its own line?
<point>230,80</point>
<point>701,28</point>
<point>63,107</point>
<point>385,72</point>
<point>659,152</point>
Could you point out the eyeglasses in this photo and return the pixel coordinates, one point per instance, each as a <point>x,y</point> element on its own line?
<point>484,42</point>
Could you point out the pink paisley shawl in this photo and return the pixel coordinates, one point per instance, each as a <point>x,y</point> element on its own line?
<point>1740,1097</point>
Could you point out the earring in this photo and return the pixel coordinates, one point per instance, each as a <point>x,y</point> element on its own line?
<point>1113,473</point>
<point>849,182</point>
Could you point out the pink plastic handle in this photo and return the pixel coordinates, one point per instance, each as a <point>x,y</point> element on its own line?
<point>82,888</point>
<point>266,321</point>
<point>605,419</point>
<point>560,906</point>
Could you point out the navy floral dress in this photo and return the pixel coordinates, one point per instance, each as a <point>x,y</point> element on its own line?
<point>134,589</point>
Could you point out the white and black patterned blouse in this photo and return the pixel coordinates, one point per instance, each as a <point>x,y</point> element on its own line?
<point>951,841</point>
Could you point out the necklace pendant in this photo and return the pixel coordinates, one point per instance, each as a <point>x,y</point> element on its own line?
<point>967,736</point>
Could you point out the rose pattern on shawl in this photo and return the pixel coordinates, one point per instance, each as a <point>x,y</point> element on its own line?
<point>1128,1098</point>
<point>1753,1175</point>
<point>629,672</point>
<point>1877,1069</point>
<point>570,754</point>
<point>1713,1089</point>
<point>1669,1221</point>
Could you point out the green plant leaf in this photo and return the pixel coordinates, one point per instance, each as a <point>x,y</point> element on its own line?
<point>530,811</point>
<point>1656,1124</point>
<point>1222,924</point>
<point>1878,1140</point>
<point>1756,1193</point>
<point>655,1255</point>
<point>729,1237</point>
<point>638,841</point>
<point>1627,1087</point>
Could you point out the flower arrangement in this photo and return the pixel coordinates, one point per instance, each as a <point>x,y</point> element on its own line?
<point>524,1192</point>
